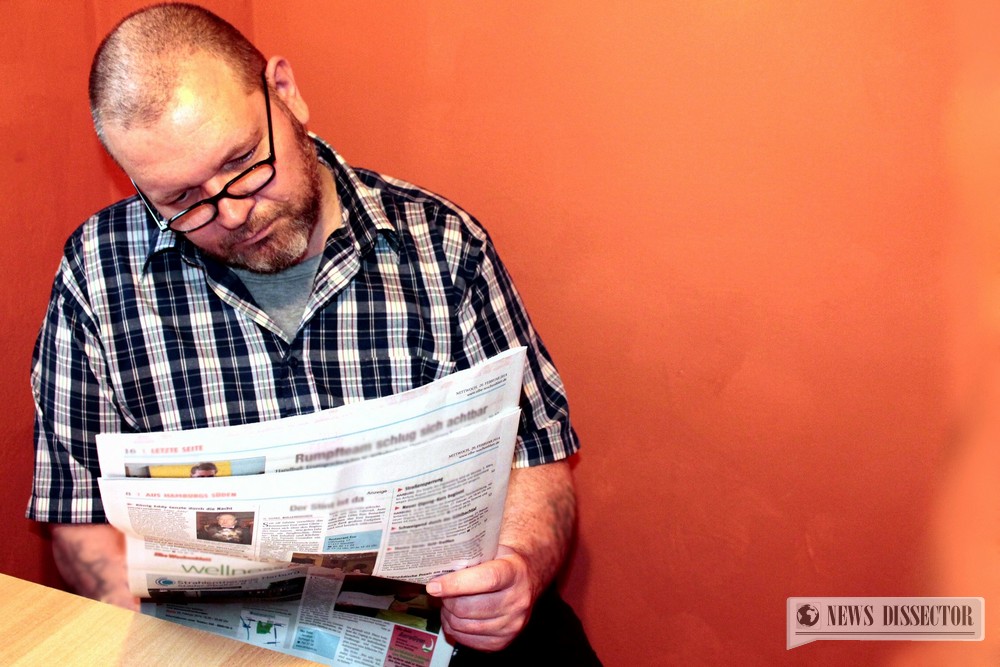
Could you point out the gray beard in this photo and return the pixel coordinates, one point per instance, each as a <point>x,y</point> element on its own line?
<point>284,248</point>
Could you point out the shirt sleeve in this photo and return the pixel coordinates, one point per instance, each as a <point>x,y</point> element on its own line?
<point>71,408</point>
<point>493,319</point>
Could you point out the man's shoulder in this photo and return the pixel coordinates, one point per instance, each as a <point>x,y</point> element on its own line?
<point>116,238</point>
<point>382,203</point>
<point>405,191</point>
<point>111,226</point>
<point>405,198</point>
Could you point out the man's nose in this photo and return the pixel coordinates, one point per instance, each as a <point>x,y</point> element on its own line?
<point>234,212</point>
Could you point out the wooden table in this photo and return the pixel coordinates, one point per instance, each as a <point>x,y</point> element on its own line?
<point>49,628</point>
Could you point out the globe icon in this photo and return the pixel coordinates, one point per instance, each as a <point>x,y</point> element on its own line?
<point>807,615</point>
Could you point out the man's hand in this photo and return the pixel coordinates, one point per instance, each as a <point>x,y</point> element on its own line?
<point>91,559</point>
<point>485,606</point>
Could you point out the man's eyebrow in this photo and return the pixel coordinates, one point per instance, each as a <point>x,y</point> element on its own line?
<point>243,147</point>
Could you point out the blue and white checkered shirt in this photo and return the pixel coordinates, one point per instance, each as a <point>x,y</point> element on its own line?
<point>143,333</point>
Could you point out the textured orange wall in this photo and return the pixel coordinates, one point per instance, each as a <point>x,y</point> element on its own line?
<point>51,181</point>
<point>735,224</point>
<point>55,174</point>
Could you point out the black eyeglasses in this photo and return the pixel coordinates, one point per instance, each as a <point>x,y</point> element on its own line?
<point>246,184</point>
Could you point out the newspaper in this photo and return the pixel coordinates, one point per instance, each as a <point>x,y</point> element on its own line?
<point>314,535</point>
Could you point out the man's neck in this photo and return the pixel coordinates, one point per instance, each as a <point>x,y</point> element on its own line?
<point>329,217</point>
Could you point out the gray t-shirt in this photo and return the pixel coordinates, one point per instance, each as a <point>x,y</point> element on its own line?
<point>284,295</point>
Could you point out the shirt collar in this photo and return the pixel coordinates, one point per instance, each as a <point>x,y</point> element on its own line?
<point>164,240</point>
<point>362,208</point>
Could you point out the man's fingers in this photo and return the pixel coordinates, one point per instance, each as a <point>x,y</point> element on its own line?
<point>488,577</point>
<point>478,640</point>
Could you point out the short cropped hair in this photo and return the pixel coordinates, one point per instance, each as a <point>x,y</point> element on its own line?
<point>139,63</point>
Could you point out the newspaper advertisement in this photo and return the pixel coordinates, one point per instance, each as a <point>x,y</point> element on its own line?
<point>314,535</point>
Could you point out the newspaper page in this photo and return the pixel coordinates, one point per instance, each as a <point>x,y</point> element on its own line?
<point>314,535</point>
<point>320,614</point>
<point>336,620</point>
<point>417,513</point>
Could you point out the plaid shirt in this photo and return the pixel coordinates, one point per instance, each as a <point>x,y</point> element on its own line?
<point>143,333</point>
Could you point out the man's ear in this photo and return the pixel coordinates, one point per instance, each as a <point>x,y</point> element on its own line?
<point>281,78</point>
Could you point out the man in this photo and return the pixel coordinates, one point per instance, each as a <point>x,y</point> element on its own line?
<point>207,469</point>
<point>227,529</point>
<point>256,275</point>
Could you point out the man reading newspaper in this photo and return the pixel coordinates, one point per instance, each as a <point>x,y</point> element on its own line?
<point>256,275</point>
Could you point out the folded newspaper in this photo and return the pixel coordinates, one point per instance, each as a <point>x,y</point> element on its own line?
<point>314,535</point>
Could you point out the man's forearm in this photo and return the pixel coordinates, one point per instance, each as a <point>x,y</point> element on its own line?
<point>91,559</point>
<point>539,519</point>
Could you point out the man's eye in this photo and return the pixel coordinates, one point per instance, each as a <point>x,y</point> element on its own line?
<point>246,156</point>
<point>179,199</point>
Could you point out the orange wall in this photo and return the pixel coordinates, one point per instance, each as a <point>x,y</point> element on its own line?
<point>736,225</point>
